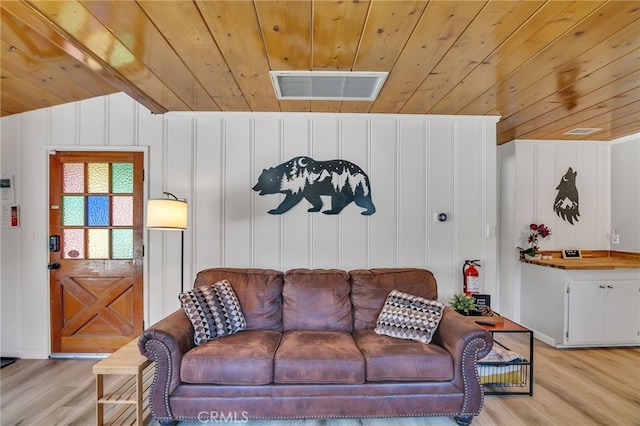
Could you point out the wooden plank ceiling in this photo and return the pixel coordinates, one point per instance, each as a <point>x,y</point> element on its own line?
<point>545,67</point>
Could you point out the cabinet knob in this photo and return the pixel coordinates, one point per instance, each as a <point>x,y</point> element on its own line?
<point>602,286</point>
<point>609,286</point>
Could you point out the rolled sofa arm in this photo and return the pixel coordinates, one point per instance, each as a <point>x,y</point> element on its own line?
<point>165,342</point>
<point>466,342</point>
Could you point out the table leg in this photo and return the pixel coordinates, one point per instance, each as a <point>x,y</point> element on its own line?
<point>531,362</point>
<point>99,395</point>
<point>139,412</point>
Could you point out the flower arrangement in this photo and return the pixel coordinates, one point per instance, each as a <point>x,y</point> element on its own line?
<point>535,232</point>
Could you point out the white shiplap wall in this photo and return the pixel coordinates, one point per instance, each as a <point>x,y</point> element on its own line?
<point>417,165</point>
<point>625,193</point>
<point>540,167</point>
<point>531,170</point>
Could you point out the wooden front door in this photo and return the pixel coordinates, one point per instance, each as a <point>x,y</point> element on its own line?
<point>95,250</point>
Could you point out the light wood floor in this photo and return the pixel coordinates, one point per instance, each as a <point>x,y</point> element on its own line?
<point>572,387</point>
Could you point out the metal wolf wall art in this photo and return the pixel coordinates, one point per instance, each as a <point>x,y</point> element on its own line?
<point>566,204</point>
<point>304,177</point>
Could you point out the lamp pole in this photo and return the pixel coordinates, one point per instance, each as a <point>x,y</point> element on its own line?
<point>181,247</point>
<point>182,261</point>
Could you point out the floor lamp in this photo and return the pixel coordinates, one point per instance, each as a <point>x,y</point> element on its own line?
<point>169,214</point>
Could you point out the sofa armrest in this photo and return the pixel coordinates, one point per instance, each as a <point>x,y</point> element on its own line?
<point>165,342</point>
<point>466,342</point>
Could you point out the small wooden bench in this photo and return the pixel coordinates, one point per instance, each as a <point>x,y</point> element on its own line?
<point>130,391</point>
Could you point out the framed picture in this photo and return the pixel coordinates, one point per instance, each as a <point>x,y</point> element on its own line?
<point>482,301</point>
<point>571,254</point>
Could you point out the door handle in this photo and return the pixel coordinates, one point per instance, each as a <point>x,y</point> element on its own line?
<point>53,266</point>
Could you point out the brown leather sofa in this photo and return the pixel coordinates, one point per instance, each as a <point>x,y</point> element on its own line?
<point>309,351</point>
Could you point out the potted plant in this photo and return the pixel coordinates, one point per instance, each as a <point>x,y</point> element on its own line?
<point>536,232</point>
<point>463,303</point>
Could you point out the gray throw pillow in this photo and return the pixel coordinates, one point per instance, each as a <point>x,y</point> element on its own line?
<point>214,311</point>
<point>406,316</point>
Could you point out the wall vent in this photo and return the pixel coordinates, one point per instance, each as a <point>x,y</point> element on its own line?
<point>328,85</point>
<point>582,131</point>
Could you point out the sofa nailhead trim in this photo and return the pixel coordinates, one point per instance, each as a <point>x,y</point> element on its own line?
<point>342,417</point>
<point>153,384</point>
<point>475,369</point>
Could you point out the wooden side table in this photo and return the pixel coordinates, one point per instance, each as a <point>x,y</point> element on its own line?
<point>128,391</point>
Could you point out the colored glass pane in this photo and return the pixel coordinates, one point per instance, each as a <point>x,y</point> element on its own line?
<point>98,177</point>
<point>122,211</point>
<point>98,210</point>
<point>122,178</point>
<point>73,178</point>
<point>122,243</point>
<point>98,244</point>
<point>72,210</point>
<point>73,243</point>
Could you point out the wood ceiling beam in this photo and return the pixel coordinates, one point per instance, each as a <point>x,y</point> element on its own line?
<point>34,18</point>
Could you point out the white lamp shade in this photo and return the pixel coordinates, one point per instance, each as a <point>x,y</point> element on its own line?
<point>167,214</point>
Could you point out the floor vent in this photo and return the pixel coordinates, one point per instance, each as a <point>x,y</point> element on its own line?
<point>582,131</point>
<point>328,85</point>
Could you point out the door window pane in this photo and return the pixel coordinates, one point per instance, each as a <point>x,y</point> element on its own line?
<point>98,243</point>
<point>73,178</point>
<point>72,210</point>
<point>122,243</point>
<point>122,178</point>
<point>98,210</point>
<point>122,211</point>
<point>73,243</point>
<point>98,177</point>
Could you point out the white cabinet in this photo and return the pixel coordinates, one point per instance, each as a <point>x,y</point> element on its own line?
<point>603,312</point>
<point>580,308</point>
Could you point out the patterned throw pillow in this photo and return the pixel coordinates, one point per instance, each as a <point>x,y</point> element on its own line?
<point>409,317</point>
<point>213,310</point>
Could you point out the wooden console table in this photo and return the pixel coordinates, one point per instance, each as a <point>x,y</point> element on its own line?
<point>129,390</point>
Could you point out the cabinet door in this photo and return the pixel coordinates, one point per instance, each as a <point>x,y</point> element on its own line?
<point>622,312</point>
<point>586,312</point>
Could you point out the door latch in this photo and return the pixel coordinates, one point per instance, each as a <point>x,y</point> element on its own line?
<point>54,243</point>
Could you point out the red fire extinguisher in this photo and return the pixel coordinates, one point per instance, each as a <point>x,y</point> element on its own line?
<point>471,277</point>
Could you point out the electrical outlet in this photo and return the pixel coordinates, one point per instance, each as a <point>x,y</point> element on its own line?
<point>614,237</point>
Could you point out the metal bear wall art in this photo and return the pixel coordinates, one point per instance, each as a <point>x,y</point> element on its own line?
<point>305,178</point>
<point>566,204</point>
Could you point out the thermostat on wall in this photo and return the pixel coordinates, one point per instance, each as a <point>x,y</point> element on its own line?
<point>571,254</point>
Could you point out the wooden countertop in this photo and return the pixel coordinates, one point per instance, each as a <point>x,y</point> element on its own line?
<point>591,259</point>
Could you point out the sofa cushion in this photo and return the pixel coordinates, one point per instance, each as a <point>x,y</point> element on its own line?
<point>316,357</point>
<point>316,299</point>
<point>259,292</point>
<point>245,358</point>
<point>370,287</point>
<point>406,316</point>
<point>390,359</point>
<point>214,311</point>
